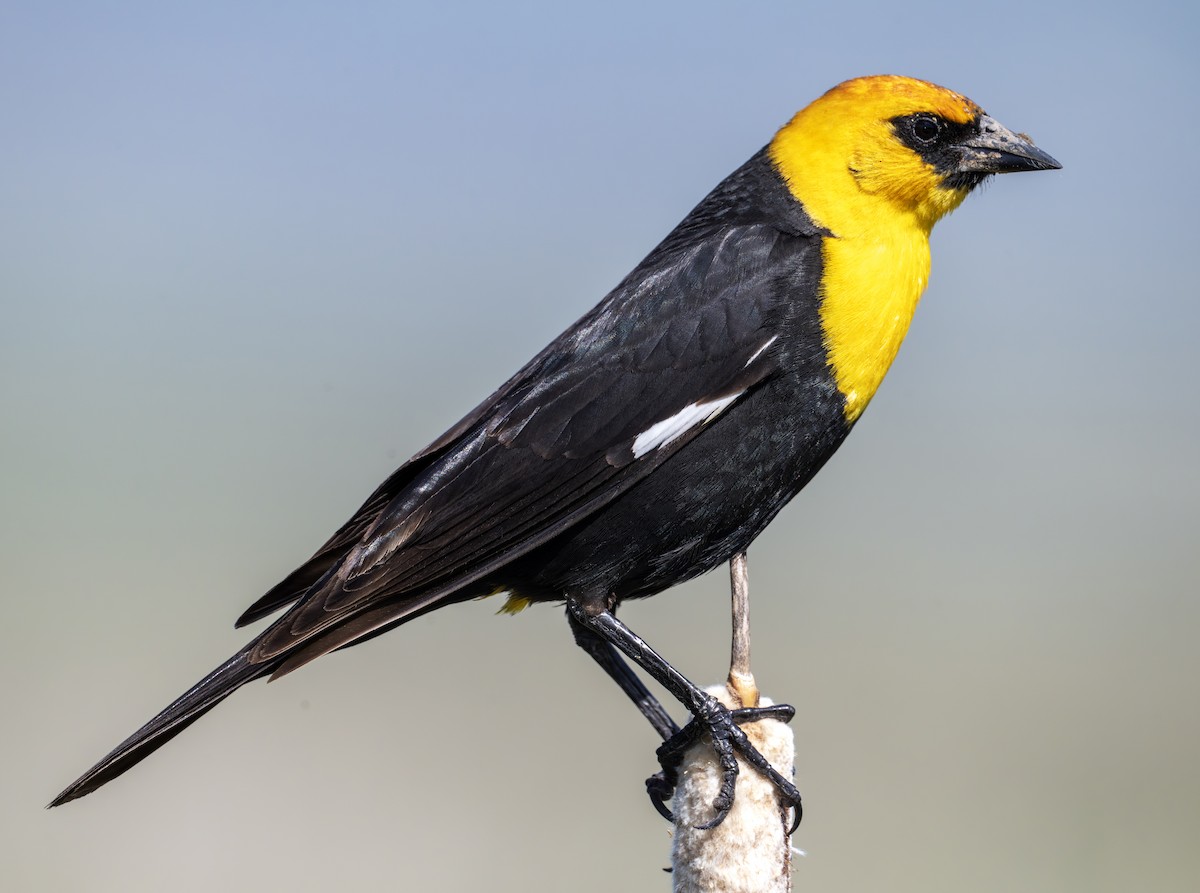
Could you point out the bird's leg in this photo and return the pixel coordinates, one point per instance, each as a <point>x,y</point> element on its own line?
<point>614,665</point>
<point>661,785</point>
<point>710,716</point>
<point>741,685</point>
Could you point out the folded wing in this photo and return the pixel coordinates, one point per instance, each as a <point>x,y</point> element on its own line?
<point>684,337</point>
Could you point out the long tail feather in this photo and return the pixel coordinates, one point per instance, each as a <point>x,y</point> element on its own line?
<point>202,697</point>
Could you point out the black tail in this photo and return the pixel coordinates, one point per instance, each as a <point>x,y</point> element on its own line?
<point>202,697</point>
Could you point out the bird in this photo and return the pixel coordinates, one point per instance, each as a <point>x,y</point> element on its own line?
<point>655,438</point>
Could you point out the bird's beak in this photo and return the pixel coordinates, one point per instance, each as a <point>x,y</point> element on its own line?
<point>995,149</point>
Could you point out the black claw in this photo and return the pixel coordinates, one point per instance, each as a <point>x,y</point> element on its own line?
<point>661,789</point>
<point>661,785</point>
<point>797,815</point>
<point>722,726</point>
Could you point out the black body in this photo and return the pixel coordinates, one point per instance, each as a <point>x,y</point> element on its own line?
<point>540,489</point>
<point>658,435</point>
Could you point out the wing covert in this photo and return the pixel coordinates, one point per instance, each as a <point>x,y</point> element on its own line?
<point>680,340</point>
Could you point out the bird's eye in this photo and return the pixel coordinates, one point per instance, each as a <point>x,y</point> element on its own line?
<point>926,129</point>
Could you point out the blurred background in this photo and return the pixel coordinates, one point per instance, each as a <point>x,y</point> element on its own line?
<point>252,256</point>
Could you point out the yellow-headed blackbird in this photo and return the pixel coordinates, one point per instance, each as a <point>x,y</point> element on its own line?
<point>657,436</point>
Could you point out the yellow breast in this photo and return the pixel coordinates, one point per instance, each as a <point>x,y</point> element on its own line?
<point>841,159</point>
<point>869,293</point>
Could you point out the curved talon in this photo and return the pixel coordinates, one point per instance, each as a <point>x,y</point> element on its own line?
<point>723,802</point>
<point>661,785</point>
<point>798,814</point>
<point>787,791</point>
<point>661,789</point>
<point>728,740</point>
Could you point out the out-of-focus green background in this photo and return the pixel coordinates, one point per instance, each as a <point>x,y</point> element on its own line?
<point>254,255</point>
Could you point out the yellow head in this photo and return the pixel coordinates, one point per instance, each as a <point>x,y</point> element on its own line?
<point>890,145</point>
<point>876,162</point>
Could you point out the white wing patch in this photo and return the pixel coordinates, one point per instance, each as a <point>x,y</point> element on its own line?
<point>661,433</point>
<point>758,353</point>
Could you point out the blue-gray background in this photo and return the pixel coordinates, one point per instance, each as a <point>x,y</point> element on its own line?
<point>254,255</point>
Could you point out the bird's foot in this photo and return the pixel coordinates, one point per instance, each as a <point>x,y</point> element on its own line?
<point>721,724</point>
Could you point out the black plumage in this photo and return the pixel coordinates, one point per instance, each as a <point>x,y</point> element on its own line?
<point>538,490</point>
<point>658,435</point>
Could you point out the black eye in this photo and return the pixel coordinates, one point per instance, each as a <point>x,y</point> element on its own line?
<point>926,129</point>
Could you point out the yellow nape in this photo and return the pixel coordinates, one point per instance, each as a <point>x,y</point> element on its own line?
<point>842,159</point>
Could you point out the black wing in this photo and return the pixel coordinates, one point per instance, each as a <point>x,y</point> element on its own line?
<point>693,329</point>
<point>688,333</point>
<point>690,307</point>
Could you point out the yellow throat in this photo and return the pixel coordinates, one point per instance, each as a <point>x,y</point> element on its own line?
<point>842,160</point>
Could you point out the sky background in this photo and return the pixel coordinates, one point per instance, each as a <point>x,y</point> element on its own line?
<point>252,256</point>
